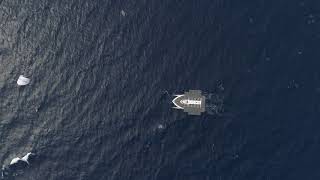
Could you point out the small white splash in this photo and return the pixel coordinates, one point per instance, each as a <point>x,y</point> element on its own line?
<point>213,147</point>
<point>236,156</point>
<point>123,13</point>
<point>293,85</point>
<point>165,92</point>
<point>2,171</point>
<point>22,81</point>
<point>221,88</point>
<point>311,19</point>
<point>160,126</point>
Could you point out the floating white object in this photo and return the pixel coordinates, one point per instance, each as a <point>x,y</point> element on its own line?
<point>22,81</point>
<point>160,126</point>
<point>123,13</point>
<point>14,160</point>
<point>24,159</point>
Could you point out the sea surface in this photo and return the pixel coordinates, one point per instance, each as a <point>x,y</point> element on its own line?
<point>103,73</point>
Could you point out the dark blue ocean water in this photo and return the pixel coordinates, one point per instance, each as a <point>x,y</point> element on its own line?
<point>96,108</point>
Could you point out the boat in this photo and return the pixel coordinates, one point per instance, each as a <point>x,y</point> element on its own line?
<point>192,102</point>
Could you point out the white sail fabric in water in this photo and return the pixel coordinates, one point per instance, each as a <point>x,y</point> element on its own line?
<point>22,81</point>
<point>14,160</point>
<point>24,159</point>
